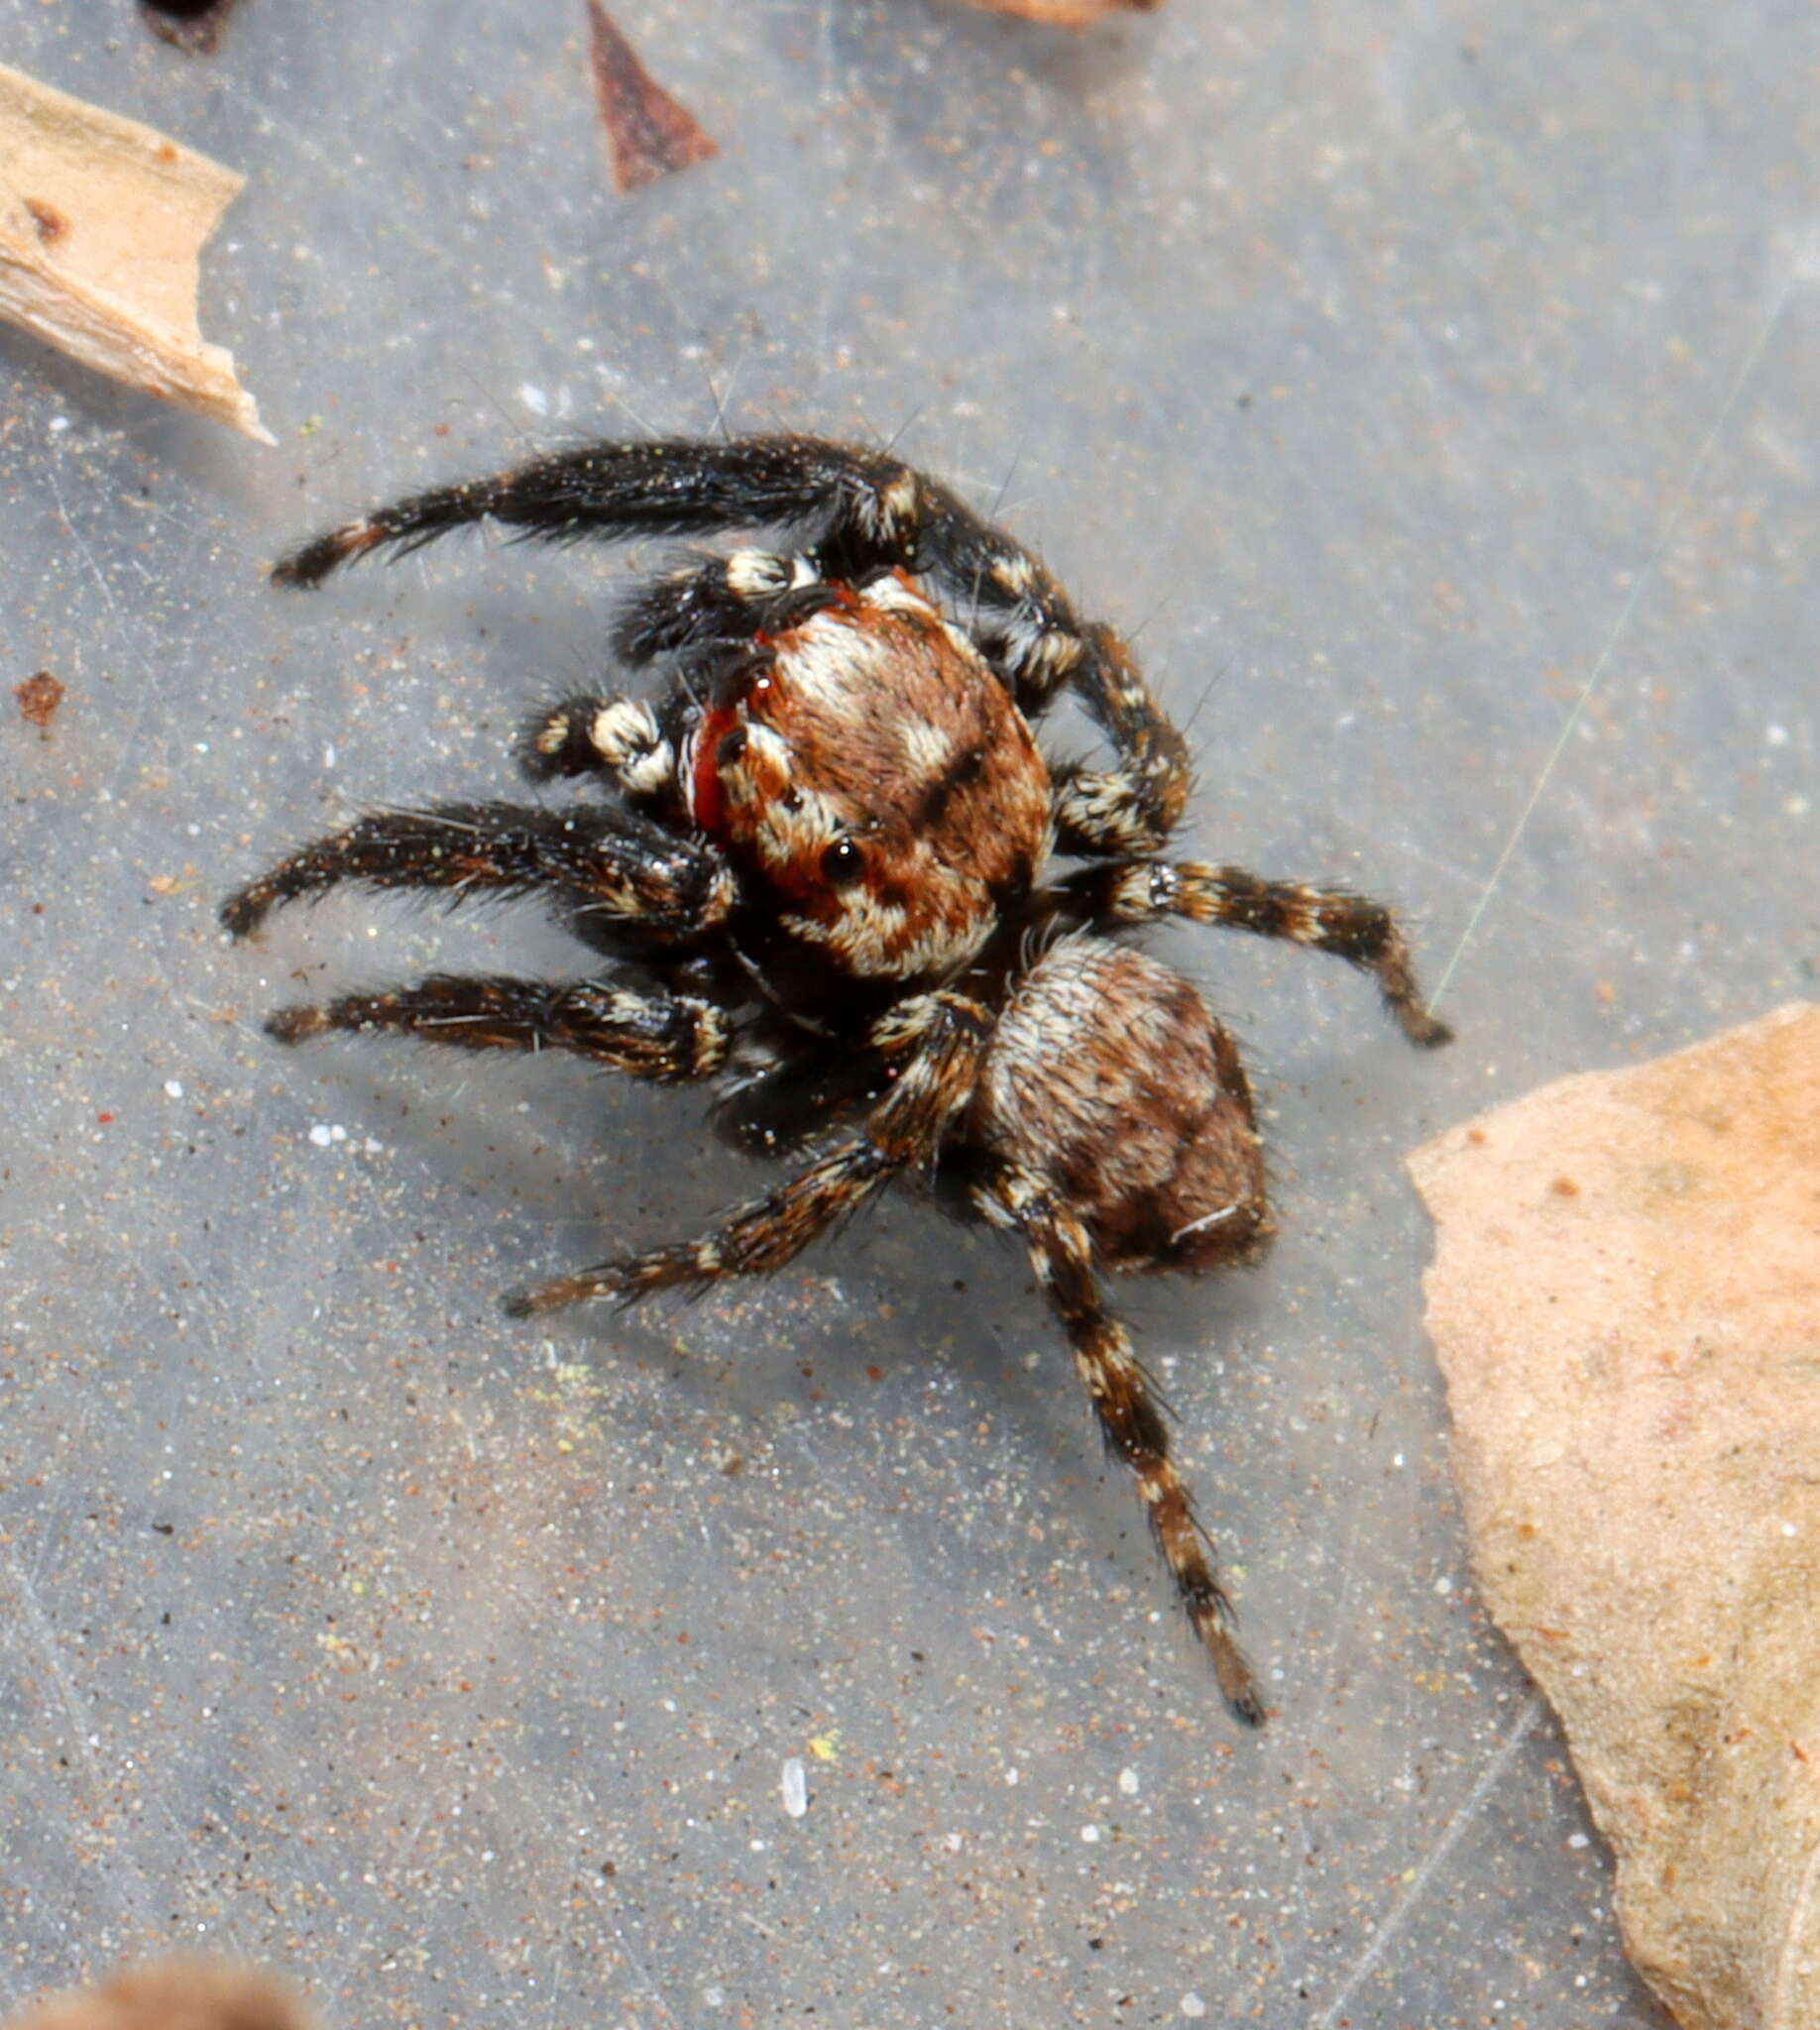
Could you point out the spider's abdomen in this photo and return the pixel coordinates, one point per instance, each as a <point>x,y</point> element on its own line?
<point>1109,1083</point>
<point>877,777</point>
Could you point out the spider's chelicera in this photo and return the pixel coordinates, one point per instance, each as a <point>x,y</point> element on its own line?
<point>821,880</point>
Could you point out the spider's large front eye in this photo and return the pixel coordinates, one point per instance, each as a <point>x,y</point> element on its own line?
<point>842,863</point>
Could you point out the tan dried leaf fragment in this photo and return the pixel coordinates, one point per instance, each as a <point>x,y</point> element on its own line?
<point>102,225</point>
<point>1625,1302</point>
<point>1067,13</point>
<point>173,1994</point>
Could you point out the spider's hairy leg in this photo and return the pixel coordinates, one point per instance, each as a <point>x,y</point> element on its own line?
<point>1011,602</point>
<point>718,601</point>
<point>669,1038</point>
<point>1134,807</point>
<point>937,1042</point>
<point>1352,927</point>
<point>605,863</point>
<point>752,1240</point>
<point>1128,1413</point>
<point>869,511</point>
<point>666,487</point>
<point>588,734</point>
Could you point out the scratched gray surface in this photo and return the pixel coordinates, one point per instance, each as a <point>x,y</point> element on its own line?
<point>1357,355</point>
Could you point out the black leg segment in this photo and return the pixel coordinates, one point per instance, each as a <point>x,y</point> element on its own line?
<point>603,863</point>
<point>667,1037</point>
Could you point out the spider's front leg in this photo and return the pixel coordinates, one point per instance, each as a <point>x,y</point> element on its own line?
<point>605,865</point>
<point>1062,1253</point>
<point>868,511</point>
<point>666,487</point>
<point>934,1044</point>
<point>715,612</point>
<point>664,1037</point>
<point>624,739</point>
<point>1352,927</point>
<point>1027,626</point>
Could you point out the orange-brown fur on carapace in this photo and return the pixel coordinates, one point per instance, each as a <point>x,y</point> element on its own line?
<point>880,781</point>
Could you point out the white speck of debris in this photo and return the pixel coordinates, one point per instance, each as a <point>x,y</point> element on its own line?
<point>1128,1782</point>
<point>1579,1839</point>
<point>322,1134</point>
<point>1190,2004</point>
<point>58,425</point>
<point>1789,1530</point>
<point>713,1998</point>
<point>1776,736</point>
<point>795,1787</point>
<point>1444,1586</point>
<point>1089,1834</point>
<point>533,399</point>
<point>1010,1776</point>
<point>372,1147</point>
<point>174,1089</point>
<point>1395,1459</point>
<point>328,754</point>
<point>953,1843</point>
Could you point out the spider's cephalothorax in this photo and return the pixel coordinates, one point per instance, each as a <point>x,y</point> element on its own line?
<point>820,876</point>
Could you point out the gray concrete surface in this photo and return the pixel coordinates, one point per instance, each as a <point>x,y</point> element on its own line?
<point>1357,357</point>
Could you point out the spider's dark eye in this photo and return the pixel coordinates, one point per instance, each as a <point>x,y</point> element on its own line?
<point>732,746</point>
<point>842,863</point>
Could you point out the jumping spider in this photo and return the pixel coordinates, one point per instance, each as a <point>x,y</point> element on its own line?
<point>821,882</point>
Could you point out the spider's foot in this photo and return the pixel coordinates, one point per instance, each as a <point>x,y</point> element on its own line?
<point>247,908</point>
<point>1211,1616</point>
<point>1428,1032</point>
<point>1237,1685</point>
<point>532,1300</point>
<point>292,1025</point>
<point>309,564</point>
<point>625,1281</point>
<point>1245,1703</point>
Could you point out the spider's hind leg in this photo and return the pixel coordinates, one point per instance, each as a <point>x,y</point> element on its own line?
<point>934,1044</point>
<point>1352,927</point>
<point>1129,1416</point>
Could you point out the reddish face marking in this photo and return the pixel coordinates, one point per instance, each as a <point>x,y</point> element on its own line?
<point>707,806</point>
<point>878,777</point>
